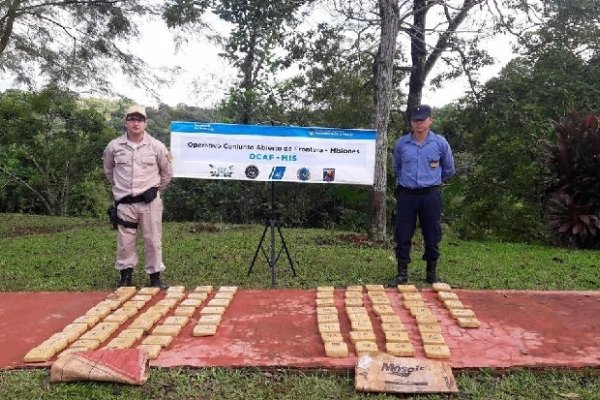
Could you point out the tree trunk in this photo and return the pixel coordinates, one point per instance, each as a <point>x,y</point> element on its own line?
<point>248,83</point>
<point>418,53</point>
<point>383,73</point>
<point>6,25</point>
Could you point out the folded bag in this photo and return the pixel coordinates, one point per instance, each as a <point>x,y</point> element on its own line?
<point>129,366</point>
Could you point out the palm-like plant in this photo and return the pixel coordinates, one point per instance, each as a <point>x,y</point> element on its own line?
<point>572,182</point>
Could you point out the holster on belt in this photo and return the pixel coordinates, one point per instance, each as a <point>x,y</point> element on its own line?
<point>147,197</point>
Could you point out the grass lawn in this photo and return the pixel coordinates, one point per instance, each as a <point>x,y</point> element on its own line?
<point>60,254</point>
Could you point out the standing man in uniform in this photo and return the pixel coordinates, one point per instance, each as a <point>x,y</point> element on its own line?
<point>138,168</point>
<point>422,161</point>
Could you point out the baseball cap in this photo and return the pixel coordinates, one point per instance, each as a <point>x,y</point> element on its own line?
<point>136,109</point>
<point>422,111</point>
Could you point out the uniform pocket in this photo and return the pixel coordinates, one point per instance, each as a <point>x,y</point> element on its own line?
<point>148,161</point>
<point>122,159</point>
<point>434,163</point>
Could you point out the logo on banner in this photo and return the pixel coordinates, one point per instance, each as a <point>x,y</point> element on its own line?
<point>251,171</point>
<point>303,174</point>
<point>328,174</point>
<point>277,173</point>
<point>221,172</point>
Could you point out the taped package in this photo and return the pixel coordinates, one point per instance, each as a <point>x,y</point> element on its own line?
<point>129,366</point>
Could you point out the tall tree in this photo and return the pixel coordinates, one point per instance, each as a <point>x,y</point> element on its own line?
<point>383,67</point>
<point>67,41</point>
<point>431,30</point>
<point>258,29</point>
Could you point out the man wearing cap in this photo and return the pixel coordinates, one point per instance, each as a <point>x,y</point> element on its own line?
<point>422,161</point>
<point>138,168</point>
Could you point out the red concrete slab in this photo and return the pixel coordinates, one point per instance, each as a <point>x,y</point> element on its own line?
<point>27,319</point>
<point>278,328</point>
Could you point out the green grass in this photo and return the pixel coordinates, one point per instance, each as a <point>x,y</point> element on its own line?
<point>60,254</point>
<point>79,255</point>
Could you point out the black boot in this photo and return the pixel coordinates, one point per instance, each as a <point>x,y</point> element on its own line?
<point>126,277</point>
<point>430,276</point>
<point>401,278</point>
<point>155,281</point>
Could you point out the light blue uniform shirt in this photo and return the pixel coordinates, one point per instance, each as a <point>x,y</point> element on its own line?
<point>422,165</point>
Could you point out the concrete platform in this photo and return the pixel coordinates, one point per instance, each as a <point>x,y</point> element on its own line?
<point>278,328</point>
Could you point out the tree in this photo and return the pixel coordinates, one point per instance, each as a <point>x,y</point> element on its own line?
<point>69,42</point>
<point>47,151</point>
<point>383,68</point>
<point>431,29</point>
<point>258,29</point>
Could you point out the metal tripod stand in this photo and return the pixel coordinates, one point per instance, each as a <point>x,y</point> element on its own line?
<point>271,224</point>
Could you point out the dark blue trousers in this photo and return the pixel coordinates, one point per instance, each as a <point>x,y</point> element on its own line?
<point>428,208</point>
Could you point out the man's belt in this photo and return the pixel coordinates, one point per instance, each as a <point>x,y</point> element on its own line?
<point>147,197</point>
<point>423,190</point>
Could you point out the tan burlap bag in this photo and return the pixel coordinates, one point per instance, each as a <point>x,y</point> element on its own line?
<point>118,365</point>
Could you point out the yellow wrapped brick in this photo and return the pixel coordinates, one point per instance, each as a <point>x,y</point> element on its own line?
<point>407,288</point>
<point>149,291</point>
<point>336,349</point>
<point>399,349</point>
<point>325,302</point>
<point>392,327</point>
<point>164,341</point>
<point>436,351</point>
<point>383,309</point>
<point>153,350</point>
<point>390,319</point>
<point>184,311</point>
<point>396,337</point>
<point>325,318</point>
<point>174,320</point>
<point>39,354</point>
<point>332,337</point>
<point>204,330</point>
<point>212,310</point>
<point>166,330</point>
<point>461,313</point>
<point>134,333</point>
<point>329,327</point>
<point>433,338</point>
<point>121,342</point>
<point>361,325</point>
<point>365,347</point>
<point>362,336</point>
<point>210,319</point>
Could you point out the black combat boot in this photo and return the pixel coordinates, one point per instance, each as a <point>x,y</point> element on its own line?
<point>401,278</point>
<point>155,281</point>
<point>430,276</point>
<point>126,277</point>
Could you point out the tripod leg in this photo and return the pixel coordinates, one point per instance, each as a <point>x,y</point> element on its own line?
<point>273,261</point>
<point>289,257</point>
<point>262,238</point>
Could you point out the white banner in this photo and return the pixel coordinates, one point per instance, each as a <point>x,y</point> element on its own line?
<point>265,153</point>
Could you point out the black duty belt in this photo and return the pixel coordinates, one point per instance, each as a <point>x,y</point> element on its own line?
<point>147,197</point>
<point>423,190</point>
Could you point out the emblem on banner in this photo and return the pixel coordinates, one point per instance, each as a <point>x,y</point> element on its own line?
<point>277,173</point>
<point>251,171</point>
<point>303,174</point>
<point>328,174</point>
<point>221,172</point>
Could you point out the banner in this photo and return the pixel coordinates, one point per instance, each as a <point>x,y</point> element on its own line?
<point>267,153</point>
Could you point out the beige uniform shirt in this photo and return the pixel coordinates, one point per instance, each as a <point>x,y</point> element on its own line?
<point>132,168</point>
